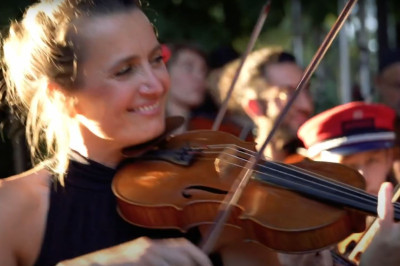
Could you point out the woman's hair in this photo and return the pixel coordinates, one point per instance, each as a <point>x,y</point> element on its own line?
<point>39,50</point>
<point>252,77</point>
<point>179,47</point>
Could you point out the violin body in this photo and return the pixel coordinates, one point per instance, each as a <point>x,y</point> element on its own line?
<point>156,193</point>
<point>204,123</point>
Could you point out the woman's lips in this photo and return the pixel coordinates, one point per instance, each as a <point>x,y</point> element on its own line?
<point>146,109</point>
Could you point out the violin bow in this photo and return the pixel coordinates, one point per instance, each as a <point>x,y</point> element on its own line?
<point>242,180</point>
<point>253,38</point>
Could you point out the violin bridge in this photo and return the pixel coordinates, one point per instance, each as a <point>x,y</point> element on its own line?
<point>230,161</point>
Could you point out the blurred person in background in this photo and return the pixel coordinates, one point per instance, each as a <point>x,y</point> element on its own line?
<point>359,135</point>
<point>387,83</point>
<point>189,96</point>
<point>268,78</point>
<point>188,70</point>
<point>356,134</point>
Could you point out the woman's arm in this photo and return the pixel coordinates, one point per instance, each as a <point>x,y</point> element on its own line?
<point>144,251</point>
<point>23,209</point>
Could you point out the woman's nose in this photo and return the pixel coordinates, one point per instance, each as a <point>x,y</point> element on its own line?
<point>199,74</point>
<point>145,88</point>
<point>151,83</point>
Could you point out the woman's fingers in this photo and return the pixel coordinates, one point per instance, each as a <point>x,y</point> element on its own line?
<point>385,206</point>
<point>178,252</point>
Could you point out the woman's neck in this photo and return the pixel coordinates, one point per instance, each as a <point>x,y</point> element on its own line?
<point>92,147</point>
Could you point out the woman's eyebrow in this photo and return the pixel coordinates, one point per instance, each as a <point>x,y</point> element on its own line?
<point>133,57</point>
<point>156,48</point>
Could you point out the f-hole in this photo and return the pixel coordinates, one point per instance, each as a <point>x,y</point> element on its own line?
<point>186,193</point>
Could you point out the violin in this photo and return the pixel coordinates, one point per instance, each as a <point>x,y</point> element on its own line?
<point>181,183</point>
<point>202,122</point>
<point>190,179</point>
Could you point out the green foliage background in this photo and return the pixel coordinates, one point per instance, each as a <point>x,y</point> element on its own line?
<point>213,23</point>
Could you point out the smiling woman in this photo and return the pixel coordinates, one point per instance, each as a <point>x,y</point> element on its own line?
<point>122,98</point>
<point>89,76</point>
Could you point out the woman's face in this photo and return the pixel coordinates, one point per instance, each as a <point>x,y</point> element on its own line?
<point>284,78</point>
<point>374,165</point>
<point>188,79</point>
<point>123,80</point>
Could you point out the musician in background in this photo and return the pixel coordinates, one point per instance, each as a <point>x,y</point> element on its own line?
<point>189,96</point>
<point>268,79</point>
<point>387,83</point>
<point>387,241</point>
<point>356,134</point>
<point>188,69</point>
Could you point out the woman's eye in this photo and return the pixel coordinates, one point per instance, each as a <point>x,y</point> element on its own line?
<point>158,60</point>
<point>373,160</point>
<point>125,70</point>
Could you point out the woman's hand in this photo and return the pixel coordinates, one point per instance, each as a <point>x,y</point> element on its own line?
<point>321,258</point>
<point>385,246</point>
<point>145,251</point>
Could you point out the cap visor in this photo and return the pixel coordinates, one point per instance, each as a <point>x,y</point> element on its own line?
<point>361,147</point>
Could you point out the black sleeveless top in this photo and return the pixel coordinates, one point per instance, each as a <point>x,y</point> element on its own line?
<point>82,216</point>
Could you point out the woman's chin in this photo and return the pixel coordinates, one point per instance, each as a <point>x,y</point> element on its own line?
<point>151,131</point>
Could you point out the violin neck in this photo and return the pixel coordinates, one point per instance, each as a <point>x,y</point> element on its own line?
<point>314,186</point>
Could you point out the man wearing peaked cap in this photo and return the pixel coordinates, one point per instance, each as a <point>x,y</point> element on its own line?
<point>356,134</point>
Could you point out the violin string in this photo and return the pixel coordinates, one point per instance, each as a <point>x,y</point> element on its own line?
<point>352,193</point>
<point>353,190</point>
<point>336,188</point>
<point>301,171</point>
<point>337,191</point>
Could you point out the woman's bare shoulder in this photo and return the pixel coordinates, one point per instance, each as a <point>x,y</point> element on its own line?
<point>21,187</point>
<point>23,193</point>
<point>23,211</point>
